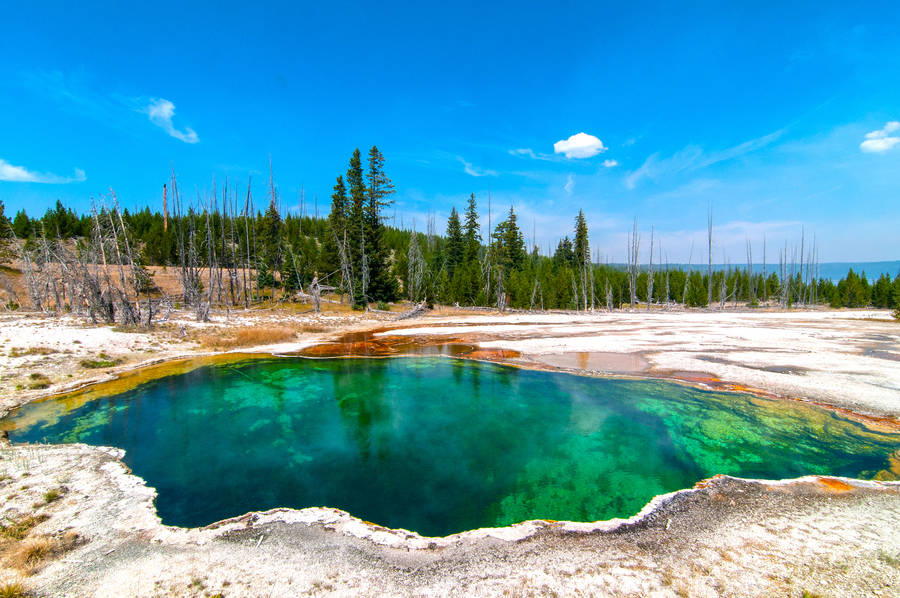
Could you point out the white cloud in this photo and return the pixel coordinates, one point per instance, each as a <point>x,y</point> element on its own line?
<point>161,111</point>
<point>580,145</point>
<point>610,163</point>
<point>20,174</point>
<point>880,141</point>
<point>570,184</point>
<point>473,170</point>
<point>693,157</point>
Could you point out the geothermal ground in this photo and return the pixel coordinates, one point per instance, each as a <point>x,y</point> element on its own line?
<point>76,523</point>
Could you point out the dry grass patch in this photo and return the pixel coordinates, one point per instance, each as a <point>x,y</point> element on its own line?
<point>19,528</point>
<point>26,552</point>
<point>38,381</point>
<point>19,352</point>
<point>29,554</point>
<point>314,328</point>
<point>247,337</point>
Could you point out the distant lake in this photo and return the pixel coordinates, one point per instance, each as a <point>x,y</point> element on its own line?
<point>829,270</point>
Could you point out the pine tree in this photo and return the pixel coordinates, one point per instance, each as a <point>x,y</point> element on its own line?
<point>22,225</point>
<point>356,231</point>
<point>564,254</point>
<point>472,231</point>
<point>6,235</point>
<point>509,244</point>
<point>337,218</point>
<point>896,295</point>
<point>581,247</point>
<point>270,238</point>
<point>383,287</point>
<point>455,249</point>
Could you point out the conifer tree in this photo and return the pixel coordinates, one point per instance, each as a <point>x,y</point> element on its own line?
<point>6,235</point>
<point>472,231</point>
<point>564,254</point>
<point>581,246</point>
<point>356,230</point>
<point>509,244</point>
<point>455,243</point>
<point>22,225</point>
<point>383,286</point>
<point>270,238</point>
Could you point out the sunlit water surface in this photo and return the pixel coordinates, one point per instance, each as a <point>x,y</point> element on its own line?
<point>440,445</point>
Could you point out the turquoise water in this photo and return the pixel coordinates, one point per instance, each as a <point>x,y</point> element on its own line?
<point>440,445</point>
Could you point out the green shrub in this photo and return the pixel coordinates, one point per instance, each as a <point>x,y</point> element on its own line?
<point>103,361</point>
<point>12,590</point>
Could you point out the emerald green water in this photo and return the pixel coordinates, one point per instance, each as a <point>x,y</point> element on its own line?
<point>440,445</point>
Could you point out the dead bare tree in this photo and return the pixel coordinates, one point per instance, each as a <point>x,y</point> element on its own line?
<point>650,274</point>
<point>765,288</point>
<point>751,283</point>
<point>709,236</point>
<point>248,282</point>
<point>687,278</point>
<point>633,251</point>
<point>609,297</point>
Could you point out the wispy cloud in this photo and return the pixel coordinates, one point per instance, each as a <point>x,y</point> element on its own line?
<point>474,170</point>
<point>74,91</point>
<point>570,184</point>
<point>580,145</point>
<point>740,149</point>
<point>880,141</point>
<point>19,174</point>
<point>610,163</point>
<point>693,157</point>
<point>161,111</point>
<point>71,90</point>
<point>654,166</point>
<point>530,153</point>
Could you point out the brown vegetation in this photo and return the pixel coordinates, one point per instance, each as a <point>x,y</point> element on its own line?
<point>247,337</point>
<point>19,528</point>
<point>27,552</point>
<point>28,555</point>
<point>17,352</point>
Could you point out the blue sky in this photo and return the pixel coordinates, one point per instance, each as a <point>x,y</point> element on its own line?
<point>778,115</point>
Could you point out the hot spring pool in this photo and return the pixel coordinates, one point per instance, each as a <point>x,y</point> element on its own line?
<point>439,445</point>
